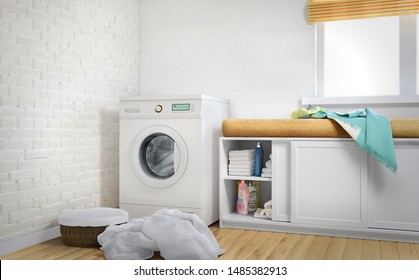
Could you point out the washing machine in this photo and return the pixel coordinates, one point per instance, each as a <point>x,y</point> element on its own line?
<point>168,154</point>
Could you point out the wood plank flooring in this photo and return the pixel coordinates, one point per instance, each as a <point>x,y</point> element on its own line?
<point>252,245</point>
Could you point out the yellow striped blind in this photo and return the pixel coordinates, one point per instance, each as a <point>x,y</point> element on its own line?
<point>330,10</point>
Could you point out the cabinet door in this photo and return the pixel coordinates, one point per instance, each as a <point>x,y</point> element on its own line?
<point>328,183</point>
<point>394,198</point>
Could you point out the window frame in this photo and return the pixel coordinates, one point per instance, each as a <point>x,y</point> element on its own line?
<point>409,78</point>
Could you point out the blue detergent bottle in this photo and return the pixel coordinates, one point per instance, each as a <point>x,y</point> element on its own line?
<point>258,159</point>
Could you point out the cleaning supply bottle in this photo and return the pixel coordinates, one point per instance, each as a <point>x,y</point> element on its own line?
<point>243,198</point>
<point>253,197</point>
<point>258,159</point>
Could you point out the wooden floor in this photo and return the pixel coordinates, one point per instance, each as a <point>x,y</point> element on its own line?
<point>253,245</point>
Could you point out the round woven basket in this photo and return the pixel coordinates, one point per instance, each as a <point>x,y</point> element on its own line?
<point>81,227</point>
<point>81,236</point>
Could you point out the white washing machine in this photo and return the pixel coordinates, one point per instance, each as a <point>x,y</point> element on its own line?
<point>168,154</point>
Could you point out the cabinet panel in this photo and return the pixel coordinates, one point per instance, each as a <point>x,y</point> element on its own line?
<point>281,181</point>
<point>394,198</point>
<point>328,183</point>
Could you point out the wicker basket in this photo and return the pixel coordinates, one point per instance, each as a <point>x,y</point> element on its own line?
<point>81,236</point>
<point>81,227</point>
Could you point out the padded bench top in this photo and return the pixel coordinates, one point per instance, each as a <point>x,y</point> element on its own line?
<point>401,127</point>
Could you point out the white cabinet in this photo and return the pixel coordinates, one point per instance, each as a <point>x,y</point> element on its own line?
<point>328,183</point>
<point>394,198</point>
<point>328,186</point>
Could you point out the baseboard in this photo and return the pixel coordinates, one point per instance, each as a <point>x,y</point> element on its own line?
<point>16,244</point>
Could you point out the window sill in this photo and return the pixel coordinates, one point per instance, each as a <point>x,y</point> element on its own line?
<point>364,100</point>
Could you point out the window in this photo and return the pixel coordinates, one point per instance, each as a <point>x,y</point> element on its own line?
<point>368,57</point>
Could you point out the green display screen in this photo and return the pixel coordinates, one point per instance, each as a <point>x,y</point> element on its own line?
<point>181,107</point>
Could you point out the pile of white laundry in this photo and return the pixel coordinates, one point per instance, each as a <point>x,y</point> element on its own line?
<point>267,170</point>
<point>241,162</point>
<point>177,235</point>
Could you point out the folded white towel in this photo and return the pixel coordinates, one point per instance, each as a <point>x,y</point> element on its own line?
<point>266,175</point>
<point>240,173</point>
<point>267,170</point>
<point>243,157</point>
<point>268,164</point>
<point>241,161</point>
<point>233,170</point>
<point>241,165</point>
<point>241,152</point>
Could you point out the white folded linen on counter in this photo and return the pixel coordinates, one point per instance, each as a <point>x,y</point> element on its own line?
<point>177,235</point>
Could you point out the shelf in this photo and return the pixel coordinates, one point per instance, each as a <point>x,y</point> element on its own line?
<point>248,178</point>
<point>236,217</point>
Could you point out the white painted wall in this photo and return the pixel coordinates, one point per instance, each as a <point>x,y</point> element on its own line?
<point>63,66</point>
<point>259,54</point>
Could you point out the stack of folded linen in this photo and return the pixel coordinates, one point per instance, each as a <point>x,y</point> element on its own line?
<point>241,162</point>
<point>267,171</point>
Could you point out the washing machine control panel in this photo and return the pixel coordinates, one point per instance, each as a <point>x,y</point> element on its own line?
<point>176,107</point>
<point>160,108</point>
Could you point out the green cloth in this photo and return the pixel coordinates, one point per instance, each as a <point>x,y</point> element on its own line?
<point>305,113</point>
<point>370,130</point>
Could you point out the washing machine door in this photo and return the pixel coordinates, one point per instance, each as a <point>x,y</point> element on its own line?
<point>159,156</point>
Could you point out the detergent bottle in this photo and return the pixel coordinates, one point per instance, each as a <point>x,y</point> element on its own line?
<point>258,159</point>
<point>253,197</point>
<point>243,198</point>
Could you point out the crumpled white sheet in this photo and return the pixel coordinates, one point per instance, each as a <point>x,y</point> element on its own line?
<point>177,235</point>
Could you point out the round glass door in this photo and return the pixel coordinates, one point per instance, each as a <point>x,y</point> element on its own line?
<point>159,156</point>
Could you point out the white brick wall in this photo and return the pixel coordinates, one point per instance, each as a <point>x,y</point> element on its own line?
<point>63,66</point>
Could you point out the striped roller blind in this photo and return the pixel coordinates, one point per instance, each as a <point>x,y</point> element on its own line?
<point>329,10</point>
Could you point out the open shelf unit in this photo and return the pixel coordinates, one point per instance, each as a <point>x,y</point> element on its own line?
<point>228,189</point>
